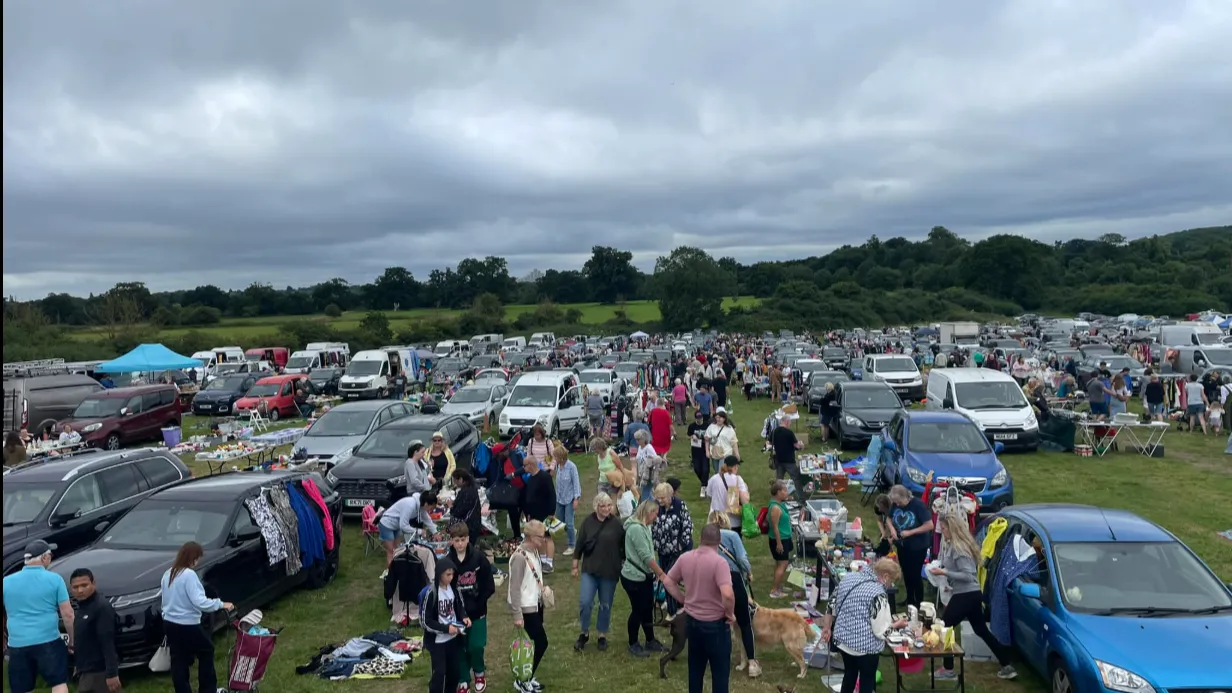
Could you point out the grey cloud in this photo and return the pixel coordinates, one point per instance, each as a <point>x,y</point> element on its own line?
<point>294,141</point>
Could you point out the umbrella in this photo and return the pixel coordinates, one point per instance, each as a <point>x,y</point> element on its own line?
<point>639,335</point>
<point>425,354</point>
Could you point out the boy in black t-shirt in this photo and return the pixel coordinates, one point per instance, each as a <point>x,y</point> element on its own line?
<point>785,446</point>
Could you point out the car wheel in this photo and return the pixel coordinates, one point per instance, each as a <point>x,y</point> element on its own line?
<point>112,442</point>
<point>1061,681</point>
<point>555,430</point>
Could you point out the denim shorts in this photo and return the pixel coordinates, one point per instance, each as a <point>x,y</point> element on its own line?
<point>1099,408</point>
<point>1155,409</point>
<point>1195,409</point>
<point>48,660</point>
<point>386,533</point>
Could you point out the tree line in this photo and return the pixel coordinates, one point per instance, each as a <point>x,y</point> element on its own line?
<point>891,282</point>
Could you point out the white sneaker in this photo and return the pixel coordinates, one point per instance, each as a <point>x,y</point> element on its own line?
<point>703,494</point>
<point>567,552</point>
<point>535,685</point>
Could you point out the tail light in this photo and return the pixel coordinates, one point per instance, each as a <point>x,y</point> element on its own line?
<point>25,413</point>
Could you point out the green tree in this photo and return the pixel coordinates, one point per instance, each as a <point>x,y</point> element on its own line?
<point>690,286</point>
<point>375,326</point>
<point>610,273</point>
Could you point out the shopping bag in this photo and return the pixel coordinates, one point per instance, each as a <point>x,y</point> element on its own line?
<point>161,661</point>
<point>748,522</point>
<point>521,656</point>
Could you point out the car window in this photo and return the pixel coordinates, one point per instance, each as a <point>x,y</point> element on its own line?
<point>166,397</point>
<point>243,520</point>
<point>158,471</point>
<point>134,405</point>
<point>120,482</point>
<point>385,416</point>
<point>83,496</point>
<point>896,432</point>
<point>149,401</point>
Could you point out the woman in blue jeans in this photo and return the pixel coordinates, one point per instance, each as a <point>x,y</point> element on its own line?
<point>597,562</point>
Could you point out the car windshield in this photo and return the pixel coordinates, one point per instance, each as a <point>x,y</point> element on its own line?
<point>490,375</point>
<point>24,501</point>
<point>533,396</point>
<point>871,398</point>
<point>340,422</point>
<point>955,437</point>
<point>810,365</point>
<point>263,390</point>
<point>1219,357</point>
<point>230,384</point>
<point>157,524</point>
<point>450,365</point>
<point>299,362</point>
<point>834,353</point>
<point>627,367</point>
<point>471,395</point>
<point>224,368</point>
<point>364,367</point>
<point>1127,576</point>
<point>597,378</point>
<point>1116,363</point>
<point>320,375</point>
<point>99,407</point>
<point>990,395</point>
<point>392,442</point>
<point>1208,338</point>
<point>898,364</point>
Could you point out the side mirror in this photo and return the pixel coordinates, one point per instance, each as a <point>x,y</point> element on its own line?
<point>888,444</point>
<point>947,403</point>
<point>246,535</point>
<point>1030,590</point>
<point>123,411</point>
<point>998,448</point>
<point>102,526</point>
<point>63,517</point>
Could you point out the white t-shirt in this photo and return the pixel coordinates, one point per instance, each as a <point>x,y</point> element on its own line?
<point>445,610</point>
<point>722,440</point>
<point>717,487</point>
<point>625,505</point>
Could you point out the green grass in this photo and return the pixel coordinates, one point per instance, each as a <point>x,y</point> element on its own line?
<point>242,331</point>
<point>1187,493</point>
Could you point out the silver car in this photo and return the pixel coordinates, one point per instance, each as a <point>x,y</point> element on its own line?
<point>339,430</point>
<point>475,402</point>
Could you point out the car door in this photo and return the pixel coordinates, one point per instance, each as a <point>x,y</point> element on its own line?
<point>75,516</point>
<point>896,431</point>
<point>150,418</point>
<point>1033,619</point>
<point>122,486</point>
<point>243,575</point>
<point>572,410</point>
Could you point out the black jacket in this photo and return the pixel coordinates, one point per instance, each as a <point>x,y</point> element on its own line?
<point>473,580</point>
<point>539,496</point>
<point>467,508</point>
<point>94,634</point>
<point>431,619</point>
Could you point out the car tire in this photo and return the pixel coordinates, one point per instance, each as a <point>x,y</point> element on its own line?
<point>1059,678</point>
<point>112,442</point>
<point>555,430</point>
<point>273,415</point>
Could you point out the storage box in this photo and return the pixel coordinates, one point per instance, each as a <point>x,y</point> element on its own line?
<point>973,646</point>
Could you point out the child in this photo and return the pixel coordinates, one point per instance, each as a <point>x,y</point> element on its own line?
<point>568,492</point>
<point>473,581</point>
<point>780,536</point>
<point>701,465</point>
<point>442,627</point>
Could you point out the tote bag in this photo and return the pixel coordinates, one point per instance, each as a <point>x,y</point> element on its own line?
<point>161,661</point>
<point>521,656</point>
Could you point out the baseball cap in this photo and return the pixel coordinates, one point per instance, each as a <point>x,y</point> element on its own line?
<point>37,548</point>
<point>438,434</point>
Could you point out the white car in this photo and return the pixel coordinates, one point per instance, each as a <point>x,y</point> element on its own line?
<point>477,402</point>
<point>607,382</point>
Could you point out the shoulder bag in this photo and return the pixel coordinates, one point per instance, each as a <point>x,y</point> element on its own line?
<point>834,622</point>
<point>546,596</point>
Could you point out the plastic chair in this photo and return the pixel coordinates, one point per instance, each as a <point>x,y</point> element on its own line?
<point>372,536</point>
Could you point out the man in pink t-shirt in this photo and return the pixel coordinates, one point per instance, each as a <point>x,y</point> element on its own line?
<point>711,606</point>
<point>680,401</point>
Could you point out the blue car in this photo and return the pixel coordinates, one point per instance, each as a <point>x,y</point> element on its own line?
<point>950,446</point>
<point>1119,604</point>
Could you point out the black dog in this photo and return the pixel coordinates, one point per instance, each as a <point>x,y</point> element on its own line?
<point>679,627</point>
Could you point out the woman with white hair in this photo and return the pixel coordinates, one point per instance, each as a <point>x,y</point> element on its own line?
<point>597,563</point>
<point>649,465</point>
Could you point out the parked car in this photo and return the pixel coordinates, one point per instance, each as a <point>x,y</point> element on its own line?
<point>478,402</point>
<point>325,380</point>
<point>124,415</point>
<point>276,393</point>
<point>817,386</point>
<point>864,409</point>
<point>951,447</point>
<point>607,382</point>
<point>836,358</point>
<point>374,473</point>
<point>36,403</point>
<point>219,396</point>
<point>69,500</point>
<point>497,376</point>
<point>1111,587</point>
<point>897,371</point>
<point>1115,362</point>
<point>129,559</point>
<point>332,436</point>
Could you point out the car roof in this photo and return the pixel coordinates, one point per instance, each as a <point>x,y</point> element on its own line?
<point>933,416</point>
<point>972,375</point>
<point>364,405</point>
<point>270,379</point>
<point>421,421</point>
<point>865,385</point>
<point>597,370</point>
<point>228,486</point>
<point>1086,523</point>
<point>117,392</point>
<point>543,377</point>
<point>77,464</point>
<point>478,386</point>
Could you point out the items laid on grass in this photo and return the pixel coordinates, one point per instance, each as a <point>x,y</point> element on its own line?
<point>379,655</point>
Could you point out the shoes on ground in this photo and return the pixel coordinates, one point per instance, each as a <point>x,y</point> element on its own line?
<point>1007,672</point>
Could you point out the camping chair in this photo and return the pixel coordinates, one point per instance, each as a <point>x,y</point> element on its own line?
<point>372,536</point>
<point>869,488</point>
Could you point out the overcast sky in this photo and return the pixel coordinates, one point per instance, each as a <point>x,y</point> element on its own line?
<point>291,141</point>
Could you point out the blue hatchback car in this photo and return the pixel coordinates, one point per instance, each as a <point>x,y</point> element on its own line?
<point>1119,604</point>
<point>950,446</point>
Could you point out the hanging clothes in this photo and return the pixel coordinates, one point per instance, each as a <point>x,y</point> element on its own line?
<point>280,503</point>
<point>1012,566</point>
<point>275,547</point>
<point>314,493</point>
<point>988,548</point>
<point>311,534</point>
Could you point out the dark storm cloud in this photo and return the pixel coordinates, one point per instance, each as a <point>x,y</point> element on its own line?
<point>293,141</point>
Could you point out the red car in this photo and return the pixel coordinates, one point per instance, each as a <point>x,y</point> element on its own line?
<point>277,392</point>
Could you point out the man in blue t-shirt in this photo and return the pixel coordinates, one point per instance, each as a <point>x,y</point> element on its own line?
<point>35,600</point>
<point>704,401</point>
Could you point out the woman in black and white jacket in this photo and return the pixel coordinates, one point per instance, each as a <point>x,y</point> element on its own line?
<point>443,616</point>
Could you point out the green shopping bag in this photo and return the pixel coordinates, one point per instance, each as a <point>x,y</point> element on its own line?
<point>522,656</point>
<point>748,522</point>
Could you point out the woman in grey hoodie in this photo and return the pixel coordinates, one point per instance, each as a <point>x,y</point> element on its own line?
<point>959,557</point>
<point>418,476</point>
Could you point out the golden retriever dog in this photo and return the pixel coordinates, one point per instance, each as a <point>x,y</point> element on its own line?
<point>770,627</point>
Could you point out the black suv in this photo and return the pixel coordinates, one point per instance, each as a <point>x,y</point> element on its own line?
<point>374,473</point>
<point>220,395</point>
<point>129,559</point>
<point>69,501</point>
<point>865,407</point>
<point>325,380</point>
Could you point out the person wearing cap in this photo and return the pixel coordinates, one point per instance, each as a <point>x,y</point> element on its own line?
<point>440,460</point>
<point>35,601</point>
<point>94,634</point>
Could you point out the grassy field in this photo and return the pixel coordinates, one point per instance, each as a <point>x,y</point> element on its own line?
<point>1187,492</point>
<point>242,331</point>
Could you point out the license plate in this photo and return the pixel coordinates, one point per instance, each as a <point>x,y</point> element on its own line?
<point>352,395</point>
<point>359,502</point>
<point>1005,436</point>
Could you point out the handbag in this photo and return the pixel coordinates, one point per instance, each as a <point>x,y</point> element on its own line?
<point>161,661</point>
<point>503,497</point>
<point>834,623</point>
<point>733,498</point>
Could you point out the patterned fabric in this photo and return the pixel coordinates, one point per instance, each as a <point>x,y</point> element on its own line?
<point>380,666</point>
<point>857,600</point>
<point>275,547</point>
<point>999,598</point>
<point>280,503</point>
<point>673,530</point>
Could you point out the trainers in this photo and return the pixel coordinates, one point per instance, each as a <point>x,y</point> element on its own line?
<point>638,651</point>
<point>602,644</point>
<point>481,683</point>
<point>945,675</point>
<point>1007,672</point>
<point>567,552</point>
<point>535,686</point>
<point>703,494</point>
<point>581,642</point>
<point>523,687</point>
<point>754,669</point>
<point>463,688</point>
<point>547,567</point>
<point>655,646</point>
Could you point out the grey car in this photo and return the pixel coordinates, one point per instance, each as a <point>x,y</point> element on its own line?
<point>346,425</point>
<point>476,401</point>
<point>37,403</point>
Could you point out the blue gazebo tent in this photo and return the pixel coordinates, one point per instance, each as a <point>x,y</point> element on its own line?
<point>148,358</point>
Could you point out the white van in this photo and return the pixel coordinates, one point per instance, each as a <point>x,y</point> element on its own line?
<point>229,354</point>
<point>552,399</point>
<point>318,355</point>
<point>992,399</point>
<point>372,372</point>
<point>453,347</point>
<point>899,372</point>
<point>514,344</point>
<point>545,339</point>
<point>1190,334</point>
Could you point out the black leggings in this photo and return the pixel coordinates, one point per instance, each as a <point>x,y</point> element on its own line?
<point>969,607</point>
<point>744,617</point>
<point>912,563</point>
<point>445,664</point>
<point>188,643</point>
<point>863,667</point>
<point>641,613</point>
<point>534,628</point>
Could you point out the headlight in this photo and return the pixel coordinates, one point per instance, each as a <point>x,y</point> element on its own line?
<point>543,418</point>
<point>91,428</point>
<point>916,475</point>
<point>397,480</point>
<point>504,418</point>
<point>999,479</point>
<point>1118,679</point>
<point>333,480</point>
<point>1031,423</point>
<point>136,598</point>
<point>340,457</point>
<point>852,421</point>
